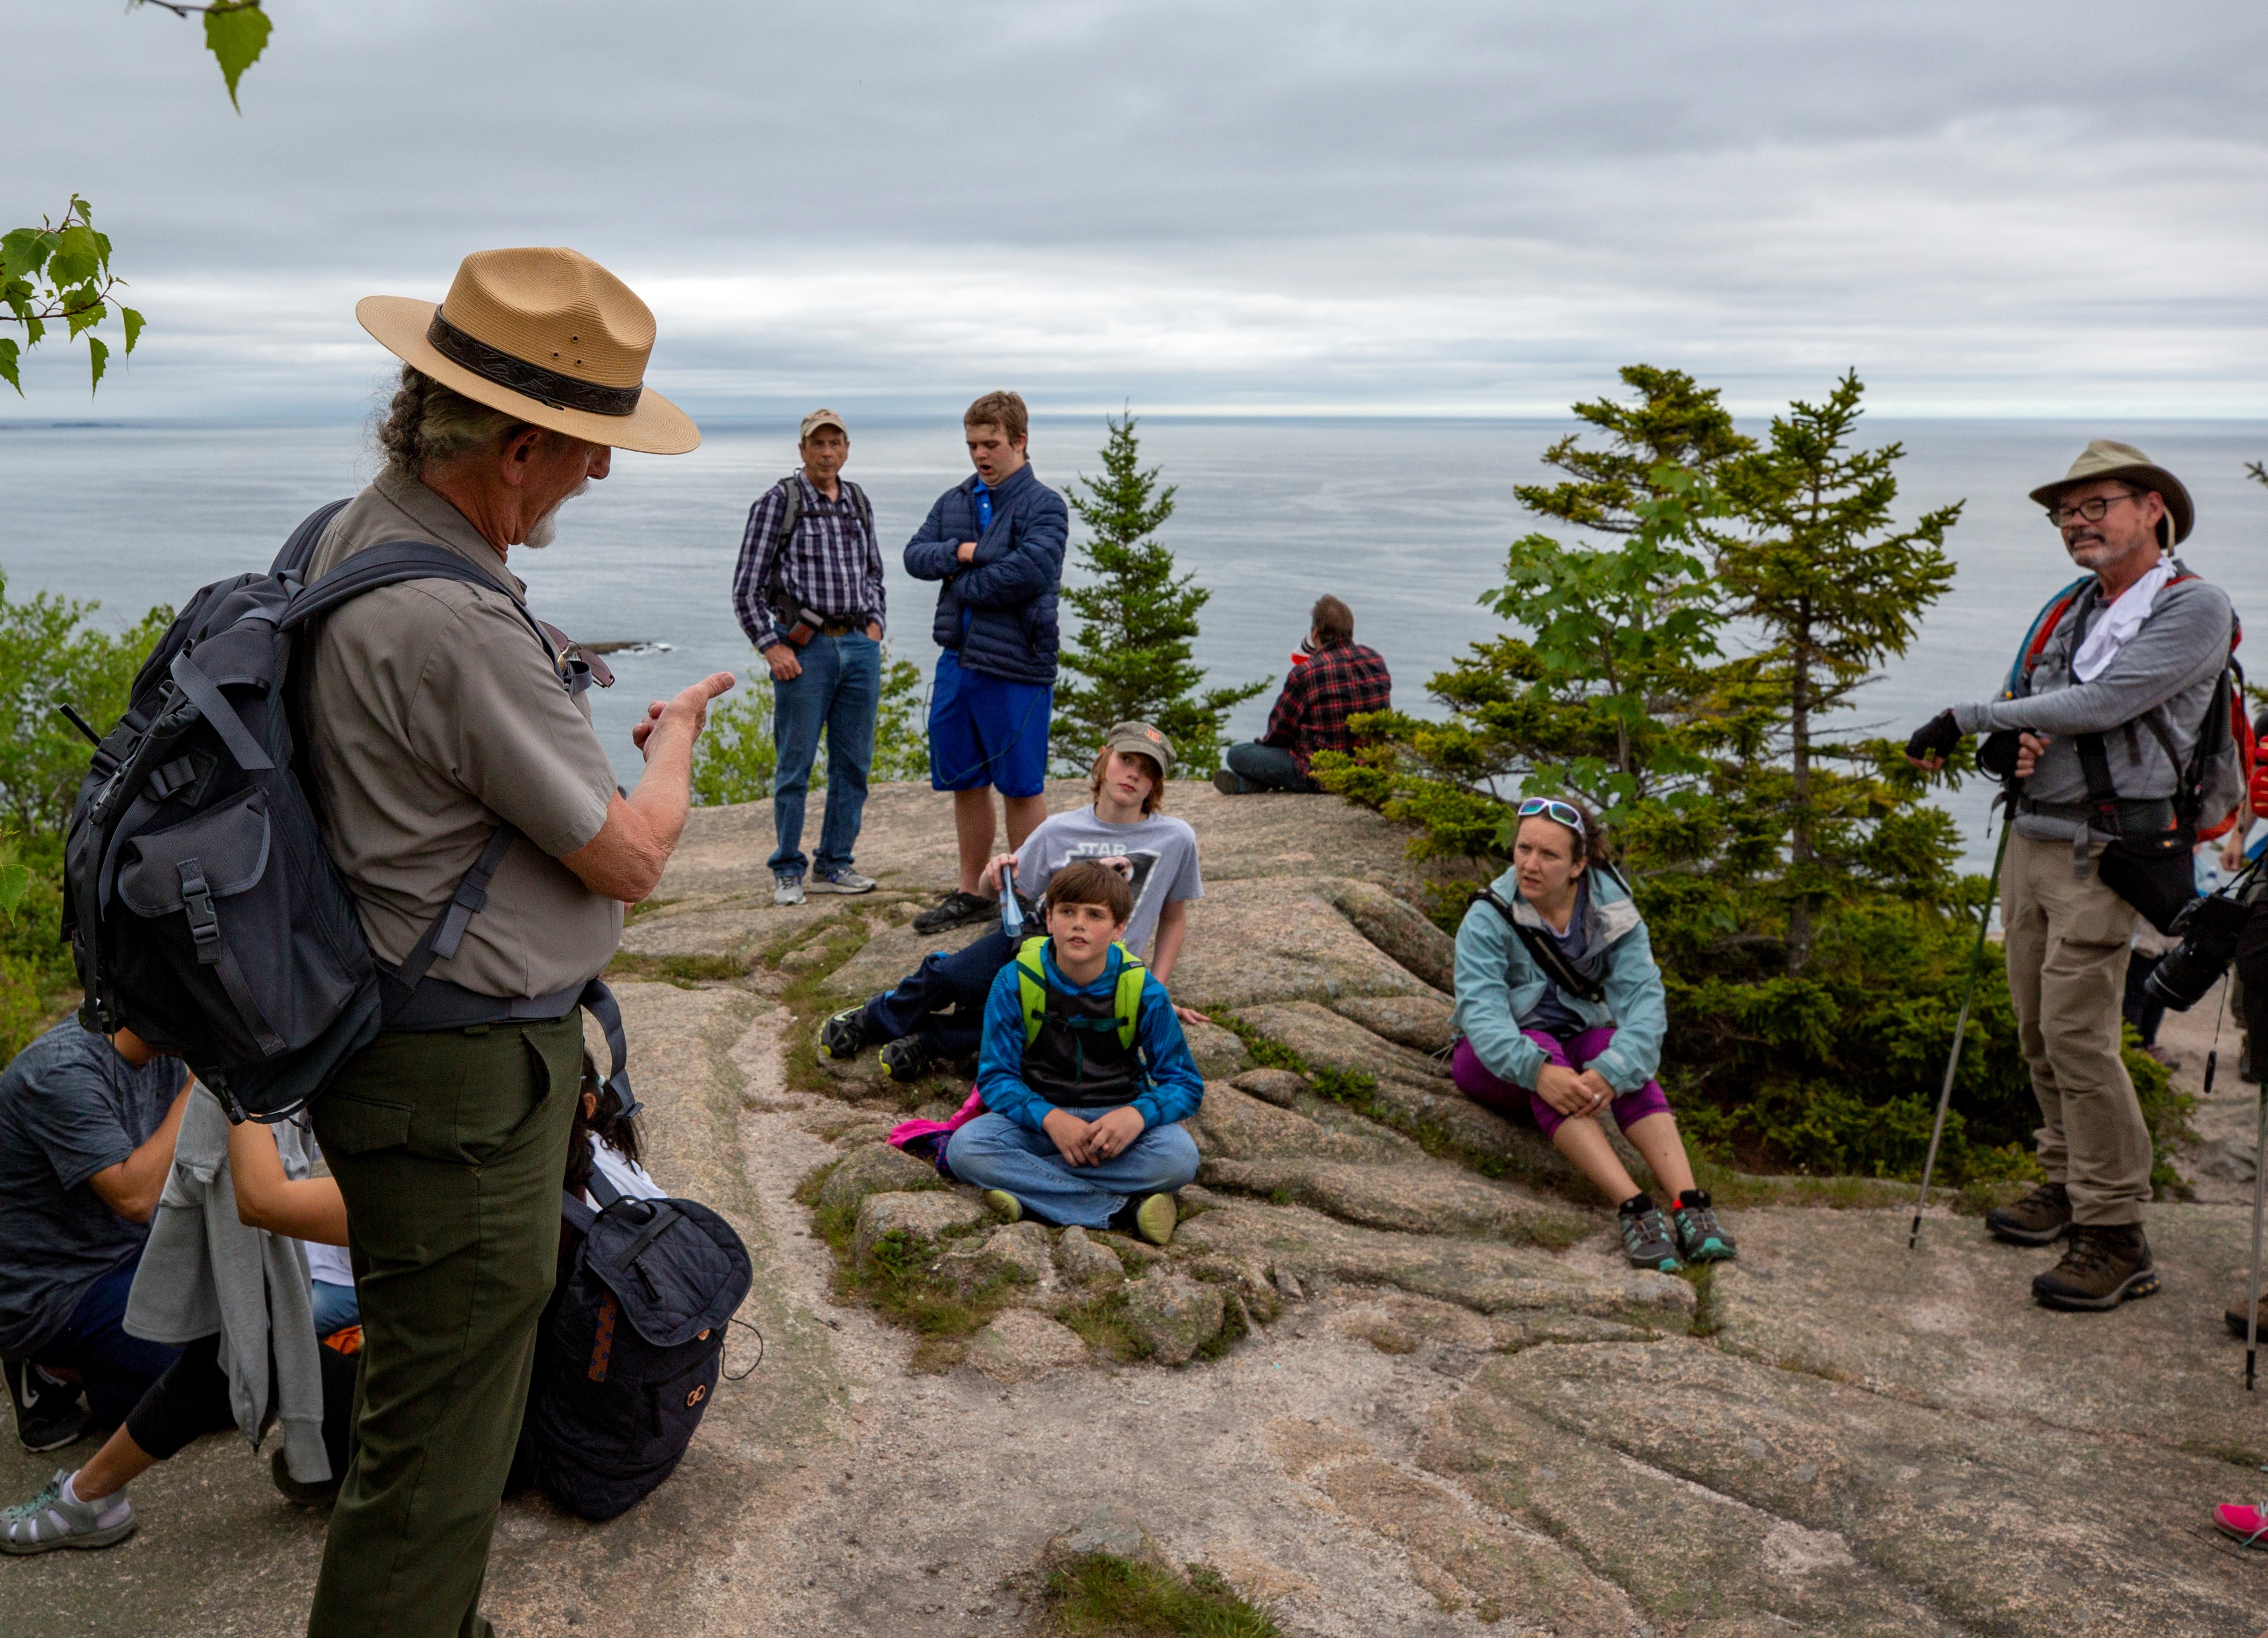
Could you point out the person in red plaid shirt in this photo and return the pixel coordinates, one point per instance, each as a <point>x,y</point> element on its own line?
<point>1335,678</point>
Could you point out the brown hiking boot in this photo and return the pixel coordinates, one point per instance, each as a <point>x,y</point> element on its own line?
<point>2237,1316</point>
<point>2041,1218</point>
<point>2101,1268</point>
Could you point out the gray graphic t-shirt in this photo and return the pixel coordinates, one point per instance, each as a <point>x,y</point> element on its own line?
<point>1162,850</point>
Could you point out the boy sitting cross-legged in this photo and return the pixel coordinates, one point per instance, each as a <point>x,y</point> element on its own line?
<point>1084,1071</point>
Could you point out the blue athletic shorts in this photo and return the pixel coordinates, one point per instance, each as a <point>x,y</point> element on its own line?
<point>984,730</point>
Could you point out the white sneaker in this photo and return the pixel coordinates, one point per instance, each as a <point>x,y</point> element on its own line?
<point>844,880</point>
<point>787,890</point>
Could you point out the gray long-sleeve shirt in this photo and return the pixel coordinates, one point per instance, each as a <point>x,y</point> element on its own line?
<point>2168,665</point>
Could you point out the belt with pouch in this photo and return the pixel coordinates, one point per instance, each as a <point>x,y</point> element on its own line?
<point>810,623</point>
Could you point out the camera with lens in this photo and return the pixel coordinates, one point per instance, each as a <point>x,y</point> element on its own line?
<point>2208,929</point>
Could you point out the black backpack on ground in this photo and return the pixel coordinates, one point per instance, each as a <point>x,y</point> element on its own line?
<point>630,1349</point>
<point>201,909</point>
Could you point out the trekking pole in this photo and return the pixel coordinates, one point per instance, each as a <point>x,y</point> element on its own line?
<point>1960,1028</point>
<point>2260,1198</point>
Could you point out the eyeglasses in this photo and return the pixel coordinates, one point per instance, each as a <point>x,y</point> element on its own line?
<point>2092,509</point>
<point>1559,812</point>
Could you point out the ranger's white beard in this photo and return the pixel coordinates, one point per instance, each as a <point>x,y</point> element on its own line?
<point>545,528</point>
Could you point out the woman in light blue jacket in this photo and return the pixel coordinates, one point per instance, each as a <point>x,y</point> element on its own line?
<point>1560,1007</point>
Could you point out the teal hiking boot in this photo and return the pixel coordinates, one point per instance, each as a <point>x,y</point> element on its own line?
<point>1701,1239</point>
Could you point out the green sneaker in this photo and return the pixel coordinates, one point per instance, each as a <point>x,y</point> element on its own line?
<point>843,1037</point>
<point>1155,1218</point>
<point>1004,1206</point>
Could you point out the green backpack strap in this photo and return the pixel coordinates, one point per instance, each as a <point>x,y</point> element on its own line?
<point>1032,983</point>
<point>1126,1001</point>
<point>1032,988</point>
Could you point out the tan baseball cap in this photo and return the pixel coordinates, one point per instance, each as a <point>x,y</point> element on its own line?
<point>1143,740</point>
<point>2104,459</point>
<point>818,418</point>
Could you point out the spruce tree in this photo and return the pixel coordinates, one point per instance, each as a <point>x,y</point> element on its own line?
<point>1833,590</point>
<point>1130,658</point>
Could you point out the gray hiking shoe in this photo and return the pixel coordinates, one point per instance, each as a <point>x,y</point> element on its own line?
<point>1645,1239</point>
<point>844,880</point>
<point>787,890</point>
<point>48,1522</point>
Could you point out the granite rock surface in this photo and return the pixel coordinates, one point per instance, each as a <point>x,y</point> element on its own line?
<point>1437,1401</point>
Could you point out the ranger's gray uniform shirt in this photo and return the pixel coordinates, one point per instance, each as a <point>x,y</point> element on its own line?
<point>435,713</point>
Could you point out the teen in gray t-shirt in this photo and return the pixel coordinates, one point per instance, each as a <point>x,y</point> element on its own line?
<point>1162,850</point>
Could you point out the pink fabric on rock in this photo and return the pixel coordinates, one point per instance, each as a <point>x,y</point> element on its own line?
<point>906,1131</point>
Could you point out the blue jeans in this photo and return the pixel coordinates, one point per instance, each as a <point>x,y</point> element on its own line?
<point>840,686</point>
<point>1268,768</point>
<point>942,1000</point>
<point>117,1368</point>
<point>993,1152</point>
<point>336,1307</point>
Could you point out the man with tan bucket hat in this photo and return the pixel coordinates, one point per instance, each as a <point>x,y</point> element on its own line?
<point>438,717</point>
<point>2106,732</point>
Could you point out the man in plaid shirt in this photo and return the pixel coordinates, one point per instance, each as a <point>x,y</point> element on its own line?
<point>808,593</point>
<point>1333,678</point>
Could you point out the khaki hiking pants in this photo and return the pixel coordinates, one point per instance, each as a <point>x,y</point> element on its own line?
<point>2067,946</point>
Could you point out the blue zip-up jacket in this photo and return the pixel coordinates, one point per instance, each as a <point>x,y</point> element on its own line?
<point>1009,588</point>
<point>1176,1091</point>
<point>1498,985</point>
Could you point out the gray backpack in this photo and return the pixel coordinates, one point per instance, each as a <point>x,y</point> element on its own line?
<point>201,909</point>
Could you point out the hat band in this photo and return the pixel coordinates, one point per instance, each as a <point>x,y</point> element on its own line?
<point>532,380</point>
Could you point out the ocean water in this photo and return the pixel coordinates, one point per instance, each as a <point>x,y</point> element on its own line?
<point>1406,520</point>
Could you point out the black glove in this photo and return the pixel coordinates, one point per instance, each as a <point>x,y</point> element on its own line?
<point>1935,738</point>
<point>1997,755</point>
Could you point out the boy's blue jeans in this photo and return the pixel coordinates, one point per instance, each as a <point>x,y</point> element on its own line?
<point>942,1000</point>
<point>993,1152</point>
<point>839,690</point>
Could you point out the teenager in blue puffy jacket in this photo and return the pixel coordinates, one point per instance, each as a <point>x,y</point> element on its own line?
<point>997,543</point>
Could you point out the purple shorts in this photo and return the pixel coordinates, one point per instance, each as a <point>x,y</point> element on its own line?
<point>1475,1080</point>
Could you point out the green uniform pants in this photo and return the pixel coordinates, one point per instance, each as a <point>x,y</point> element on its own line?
<point>450,1149</point>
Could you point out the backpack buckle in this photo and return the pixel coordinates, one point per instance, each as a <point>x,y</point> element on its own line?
<point>196,904</point>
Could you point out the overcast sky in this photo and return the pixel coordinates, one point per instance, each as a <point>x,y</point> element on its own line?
<point>1999,208</point>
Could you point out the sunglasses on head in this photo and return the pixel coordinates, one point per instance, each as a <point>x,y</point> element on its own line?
<point>1559,813</point>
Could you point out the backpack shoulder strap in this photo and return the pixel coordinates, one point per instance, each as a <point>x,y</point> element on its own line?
<point>1032,984</point>
<point>291,562</point>
<point>1543,952</point>
<point>862,507</point>
<point>577,1214</point>
<point>2043,627</point>
<point>1126,999</point>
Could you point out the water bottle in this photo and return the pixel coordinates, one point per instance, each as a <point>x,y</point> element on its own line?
<point>1011,913</point>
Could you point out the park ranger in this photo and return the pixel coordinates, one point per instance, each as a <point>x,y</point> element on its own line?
<point>438,711</point>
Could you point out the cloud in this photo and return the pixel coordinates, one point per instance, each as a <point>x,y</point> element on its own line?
<point>2019,209</point>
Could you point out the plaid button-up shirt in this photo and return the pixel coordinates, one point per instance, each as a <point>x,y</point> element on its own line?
<point>1341,681</point>
<point>834,564</point>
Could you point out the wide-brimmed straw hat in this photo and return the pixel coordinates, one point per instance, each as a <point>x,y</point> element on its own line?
<point>544,334</point>
<point>2104,459</point>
